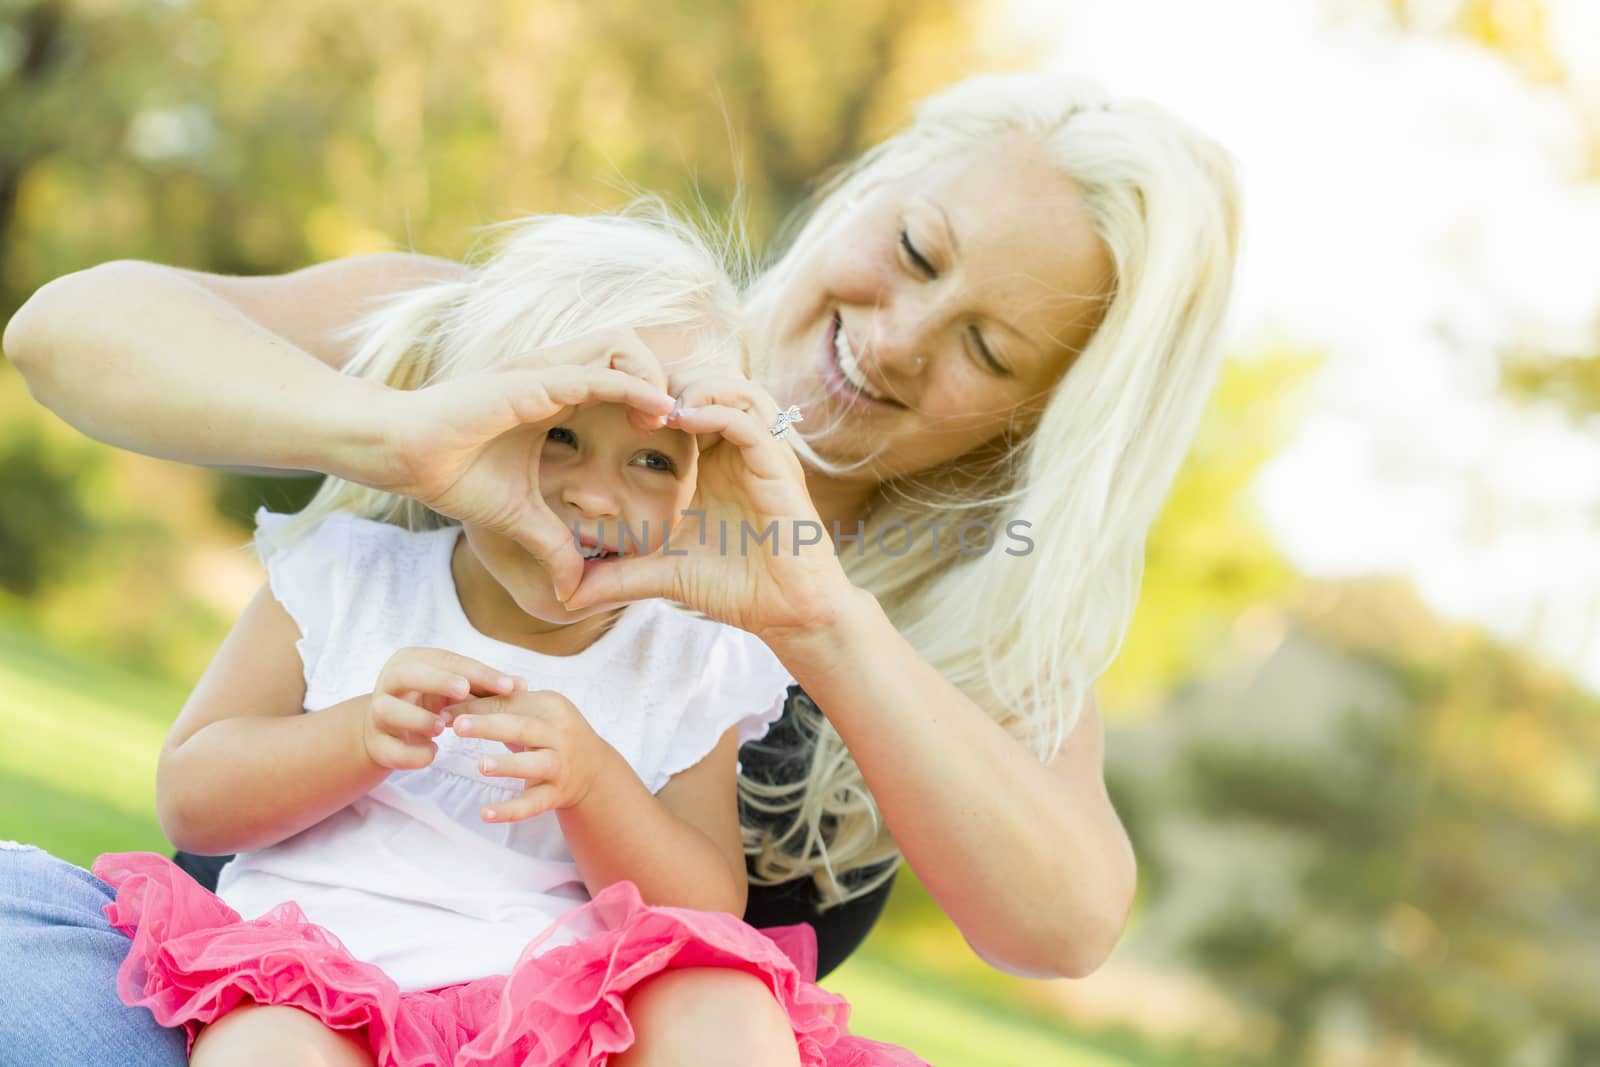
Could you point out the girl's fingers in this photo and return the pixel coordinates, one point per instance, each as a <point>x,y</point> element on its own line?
<point>536,765</point>
<point>397,717</point>
<point>389,751</point>
<point>509,728</point>
<point>536,800</point>
<point>445,673</point>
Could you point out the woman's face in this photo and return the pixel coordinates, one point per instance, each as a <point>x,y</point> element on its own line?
<point>939,310</point>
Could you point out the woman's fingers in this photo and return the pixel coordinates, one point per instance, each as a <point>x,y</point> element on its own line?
<point>621,350</point>
<point>539,395</point>
<point>626,579</point>
<point>544,537</point>
<point>765,455</point>
<point>731,391</point>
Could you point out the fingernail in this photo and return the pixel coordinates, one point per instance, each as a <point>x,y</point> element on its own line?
<point>503,682</point>
<point>489,765</point>
<point>459,685</point>
<point>445,716</point>
<point>489,813</point>
<point>463,723</point>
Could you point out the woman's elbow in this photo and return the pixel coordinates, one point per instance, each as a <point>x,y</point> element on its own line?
<point>1086,948</point>
<point>34,340</point>
<point>27,338</point>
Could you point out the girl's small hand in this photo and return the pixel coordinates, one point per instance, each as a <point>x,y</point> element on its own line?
<point>553,749</point>
<point>407,704</point>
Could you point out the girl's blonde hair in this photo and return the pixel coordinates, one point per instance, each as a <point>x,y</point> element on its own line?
<point>1025,637</point>
<point>550,278</point>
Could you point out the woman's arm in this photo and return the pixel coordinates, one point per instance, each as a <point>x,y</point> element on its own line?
<point>214,370</point>
<point>1029,860</point>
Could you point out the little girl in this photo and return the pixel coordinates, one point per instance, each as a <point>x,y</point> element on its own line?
<point>482,889</point>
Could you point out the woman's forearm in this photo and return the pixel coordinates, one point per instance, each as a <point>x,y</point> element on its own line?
<point>1032,867</point>
<point>253,781</point>
<point>141,357</point>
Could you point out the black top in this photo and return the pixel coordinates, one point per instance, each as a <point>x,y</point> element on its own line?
<point>782,755</point>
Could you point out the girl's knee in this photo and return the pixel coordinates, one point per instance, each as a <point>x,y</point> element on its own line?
<point>710,1016</point>
<point>258,1035</point>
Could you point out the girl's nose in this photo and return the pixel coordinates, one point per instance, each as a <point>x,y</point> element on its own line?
<point>592,493</point>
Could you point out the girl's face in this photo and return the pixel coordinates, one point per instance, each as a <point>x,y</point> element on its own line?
<point>941,309</point>
<point>619,489</point>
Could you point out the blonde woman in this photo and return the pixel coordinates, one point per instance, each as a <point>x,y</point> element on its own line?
<point>1009,313</point>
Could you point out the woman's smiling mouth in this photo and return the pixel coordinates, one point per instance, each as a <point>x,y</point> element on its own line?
<point>841,370</point>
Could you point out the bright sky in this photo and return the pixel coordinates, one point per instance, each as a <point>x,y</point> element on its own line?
<point>1413,207</point>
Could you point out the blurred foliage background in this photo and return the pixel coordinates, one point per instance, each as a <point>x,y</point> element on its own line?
<point>1365,832</point>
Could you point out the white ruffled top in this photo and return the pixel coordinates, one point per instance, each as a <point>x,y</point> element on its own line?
<point>409,877</point>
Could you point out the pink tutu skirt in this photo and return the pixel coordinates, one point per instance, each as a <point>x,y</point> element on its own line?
<point>194,959</point>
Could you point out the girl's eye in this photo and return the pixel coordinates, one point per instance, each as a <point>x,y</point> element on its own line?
<point>656,461</point>
<point>918,260</point>
<point>563,435</point>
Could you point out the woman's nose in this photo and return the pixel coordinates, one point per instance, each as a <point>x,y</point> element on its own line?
<point>900,339</point>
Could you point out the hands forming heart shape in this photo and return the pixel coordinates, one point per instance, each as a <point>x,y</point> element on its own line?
<point>469,448</point>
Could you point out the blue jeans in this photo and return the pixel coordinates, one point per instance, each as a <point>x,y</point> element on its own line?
<point>58,972</point>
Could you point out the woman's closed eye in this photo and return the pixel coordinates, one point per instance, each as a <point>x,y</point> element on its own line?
<point>984,354</point>
<point>918,260</point>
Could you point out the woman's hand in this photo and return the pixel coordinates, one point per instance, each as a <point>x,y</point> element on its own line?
<point>412,691</point>
<point>554,750</point>
<point>749,482</point>
<point>469,447</point>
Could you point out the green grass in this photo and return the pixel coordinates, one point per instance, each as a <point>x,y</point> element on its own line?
<point>77,777</point>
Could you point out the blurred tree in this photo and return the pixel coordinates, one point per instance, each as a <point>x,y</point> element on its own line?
<point>255,136</point>
<point>1439,894</point>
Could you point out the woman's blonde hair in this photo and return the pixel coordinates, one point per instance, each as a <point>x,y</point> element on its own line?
<point>1025,637</point>
<point>549,279</point>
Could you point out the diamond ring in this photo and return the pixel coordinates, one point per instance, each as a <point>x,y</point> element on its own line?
<point>785,418</point>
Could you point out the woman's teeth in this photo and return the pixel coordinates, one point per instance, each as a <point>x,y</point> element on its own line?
<point>848,365</point>
<point>593,553</point>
